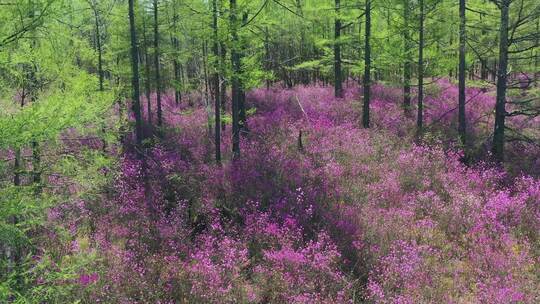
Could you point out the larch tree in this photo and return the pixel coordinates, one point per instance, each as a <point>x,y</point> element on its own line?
<point>136,106</point>
<point>157,63</point>
<point>462,123</point>
<point>338,77</point>
<point>367,65</point>
<point>235,77</point>
<point>215,82</point>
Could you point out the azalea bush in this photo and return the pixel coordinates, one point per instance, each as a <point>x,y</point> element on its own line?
<point>316,210</point>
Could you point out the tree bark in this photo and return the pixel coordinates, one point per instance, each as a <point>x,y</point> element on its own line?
<point>215,85</point>
<point>420,118</point>
<point>407,63</point>
<point>223,85</point>
<point>500,104</point>
<point>338,88</point>
<point>98,44</point>
<point>367,67</point>
<point>235,60</point>
<point>147,73</point>
<point>462,128</point>
<point>135,74</point>
<point>156,62</point>
<point>176,46</point>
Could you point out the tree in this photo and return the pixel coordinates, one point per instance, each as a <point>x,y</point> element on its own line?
<point>236,67</point>
<point>176,46</point>
<point>367,66</point>
<point>337,53</point>
<point>515,38</point>
<point>147,72</point>
<point>462,128</point>
<point>135,74</point>
<point>95,10</point>
<point>420,116</point>
<point>215,83</point>
<point>407,62</point>
<point>156,62</point>
<point>502,74</point>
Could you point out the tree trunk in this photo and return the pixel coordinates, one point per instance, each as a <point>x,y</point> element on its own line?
<point>267,65</point>
<point>147,75</point>
<point>462,128</point>
<point>176,46</point>
<point>337,53</point>
<point>420,118</point>
<point>537,54</point>
<point>215,85</point>
<point>135,75</point>
<point>98,45</point>
<point>235,60</point>
<point>407,63</point>
<point>223,86</point>
<point>500,104</point>
<point>156,62</point>
<point>206,87</point>
<point>18,166</point>
<point>242,91</point>
<point>367,67</point>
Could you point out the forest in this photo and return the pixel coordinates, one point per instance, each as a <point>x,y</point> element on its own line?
<point>270,151</point>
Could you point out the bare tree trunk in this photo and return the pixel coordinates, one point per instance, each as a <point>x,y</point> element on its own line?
<point>242,91</point>
<point>420,118</point>
<point>206,87</point>
<point>223,84</point>
<point>99,47</point>
<point>156,62</point>
<point>215,85</point>
<point>135,74</point>
<point>235,60</point>
<point>407,64</point>
<point>500,105</point>
<point>367,67</point>
<point>462,128</point>
<point>338,88</point>
<point>147,75</point>
<point>176,46</point>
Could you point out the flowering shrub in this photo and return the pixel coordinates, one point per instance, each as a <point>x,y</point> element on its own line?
<point>316,210</point>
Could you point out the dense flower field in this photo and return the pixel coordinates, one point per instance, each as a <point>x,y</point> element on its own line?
<point>316,210</point>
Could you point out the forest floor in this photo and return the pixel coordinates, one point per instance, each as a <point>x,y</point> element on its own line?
<point>315,210</point>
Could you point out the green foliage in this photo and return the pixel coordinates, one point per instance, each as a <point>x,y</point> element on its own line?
<point>74,106</point>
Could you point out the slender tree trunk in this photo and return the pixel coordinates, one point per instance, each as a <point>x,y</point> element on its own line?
<point>337,53</point>
<point>537,54</point>
<point>483,61</point>
<point>367,67</point>
<point>135,74</point>
<point>18,166</point>
<point>462,128</point>
<point>267,55</point>
<point>215,85</point>
<point>304,75</point>
<point>100,67</point>
<point>176,46</point>
<point>206,87</point>
<point>242,91</point>
<point>420,118</point>
<point>98,44</point>
<point>407,63</point>
<point>156,62</point>
<point>500,105</point>
<point>147,73</point>
<point>235,60</point>
<point>36,164</point>
<point>223,84</point>
<point>36,152</point>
